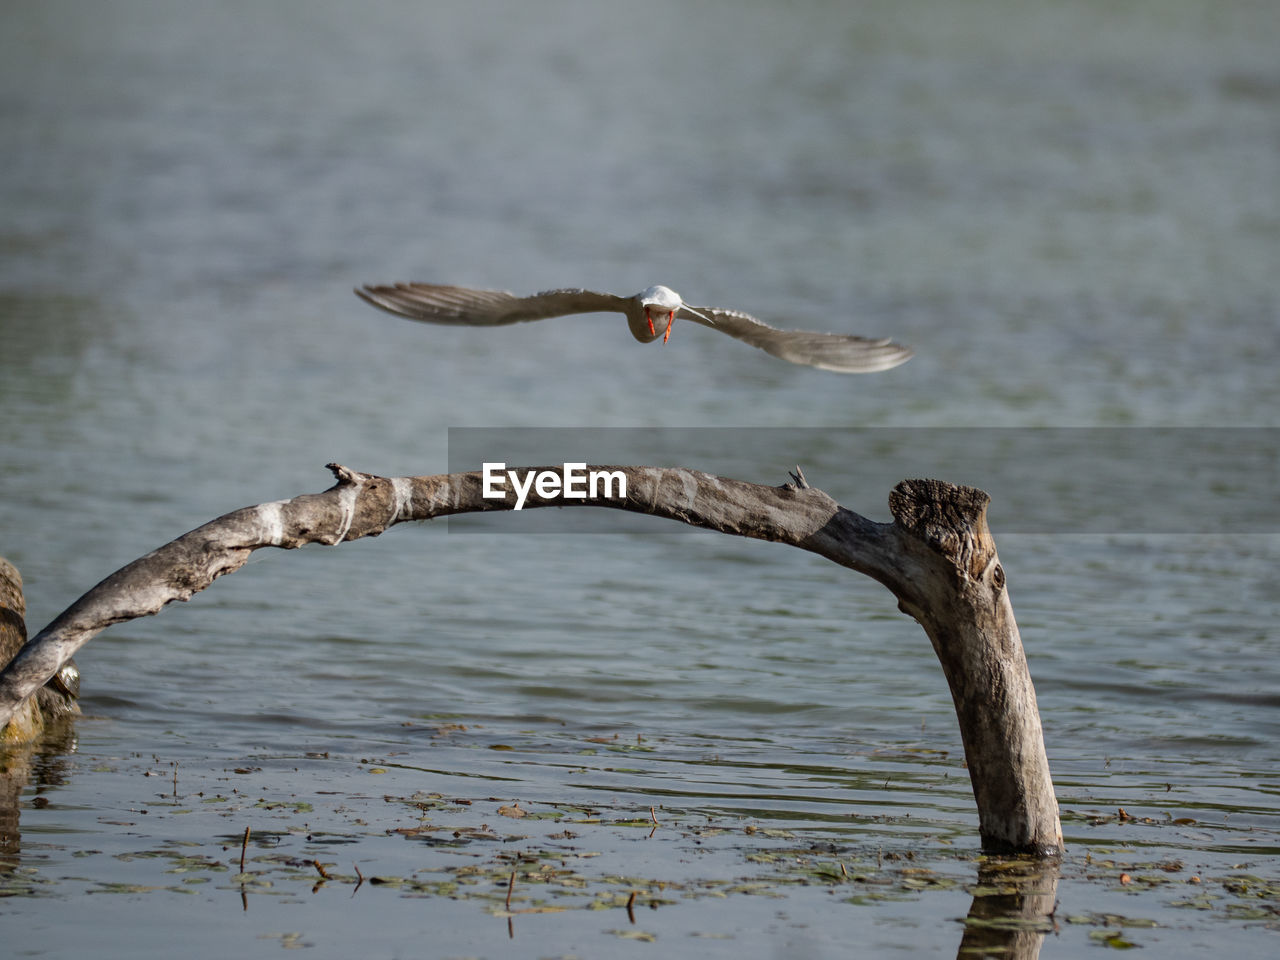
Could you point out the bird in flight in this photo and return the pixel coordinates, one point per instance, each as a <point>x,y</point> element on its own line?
<point>461,306</point>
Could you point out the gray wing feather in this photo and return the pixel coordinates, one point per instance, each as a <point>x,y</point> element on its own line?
<point>826,351</point>
<point>434,303</point>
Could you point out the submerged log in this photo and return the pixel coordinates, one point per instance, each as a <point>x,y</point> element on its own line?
<point>51,701</point>
<point>26,722</point>
<point>13,611</point>
<point>937,557</point>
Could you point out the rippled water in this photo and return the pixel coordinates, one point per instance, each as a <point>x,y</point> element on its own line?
<point>1070,211</point>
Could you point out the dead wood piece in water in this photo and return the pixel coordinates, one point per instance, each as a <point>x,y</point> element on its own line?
<point>48,703</point>
<point>937,557</point>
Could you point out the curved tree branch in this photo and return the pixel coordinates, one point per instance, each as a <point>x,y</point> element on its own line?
<point>937,557</point>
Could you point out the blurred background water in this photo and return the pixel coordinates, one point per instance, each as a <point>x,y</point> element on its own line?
<point>1071,211</point>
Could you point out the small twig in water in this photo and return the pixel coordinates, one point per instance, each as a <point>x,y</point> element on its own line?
<point>511,885</point>
<point>244,845</point>
<point>631,902</point>
<point>653,816</point>
<point>320,869</point>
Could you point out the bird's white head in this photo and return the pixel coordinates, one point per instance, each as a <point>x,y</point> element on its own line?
<point>660,299</point>
<point>661,303</point>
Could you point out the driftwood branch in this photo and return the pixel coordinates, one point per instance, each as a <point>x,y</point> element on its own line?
<point>937,557</point>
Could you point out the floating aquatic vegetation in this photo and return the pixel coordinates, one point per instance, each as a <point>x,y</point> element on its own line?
<point>524,860</point>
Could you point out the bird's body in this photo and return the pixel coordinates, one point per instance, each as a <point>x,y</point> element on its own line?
<point>432,303</point>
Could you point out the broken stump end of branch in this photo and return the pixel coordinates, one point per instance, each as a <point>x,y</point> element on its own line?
<point>951,519</point>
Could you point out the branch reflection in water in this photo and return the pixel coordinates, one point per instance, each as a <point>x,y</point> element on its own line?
<point>1014,906</point>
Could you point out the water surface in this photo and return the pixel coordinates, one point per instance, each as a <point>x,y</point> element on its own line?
<point>1070,211</point>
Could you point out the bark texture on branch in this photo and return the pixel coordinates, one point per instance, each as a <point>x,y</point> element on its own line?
<point>937,557</point>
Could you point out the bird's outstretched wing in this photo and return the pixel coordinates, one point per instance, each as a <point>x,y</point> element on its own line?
<point>826,351</point>
<point>433,303</point>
